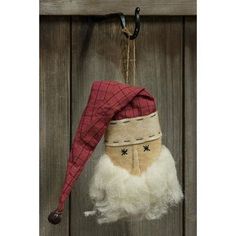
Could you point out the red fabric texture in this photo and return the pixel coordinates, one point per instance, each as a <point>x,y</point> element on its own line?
<point>108,100</point>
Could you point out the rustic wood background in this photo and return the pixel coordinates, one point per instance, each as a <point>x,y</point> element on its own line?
<point>101,7</point>
<point>75,51</point>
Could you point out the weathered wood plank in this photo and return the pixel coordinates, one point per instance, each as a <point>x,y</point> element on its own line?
<point>95,56</point>
<point>190,126</point>
<point>101,7</point>
<point>97,50</point>
<point>159,69</point>
<point>54,118</point>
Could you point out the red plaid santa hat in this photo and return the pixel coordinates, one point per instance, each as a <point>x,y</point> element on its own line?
<point>108,100</point>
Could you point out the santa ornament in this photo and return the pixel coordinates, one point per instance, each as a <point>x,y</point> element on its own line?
<point>136,176</point>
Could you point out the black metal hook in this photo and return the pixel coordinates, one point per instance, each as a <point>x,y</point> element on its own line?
<point>123,22</point>
<point>137,24</point>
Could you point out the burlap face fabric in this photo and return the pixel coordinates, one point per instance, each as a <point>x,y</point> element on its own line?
<point>134,143</point>
<point>135,158</point>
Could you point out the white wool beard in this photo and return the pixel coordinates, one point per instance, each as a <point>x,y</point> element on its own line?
<point>118,194</point>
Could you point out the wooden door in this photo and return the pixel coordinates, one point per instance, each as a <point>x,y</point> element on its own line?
<point>77,50</point>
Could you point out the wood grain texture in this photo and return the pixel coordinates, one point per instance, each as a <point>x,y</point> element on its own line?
<point>95,56</point>
<point>54,118</point>
<point>101,7</point>
<point>190,126</point>
<point>166,66</point>
<point>159,69</point>
<point>97,51</point>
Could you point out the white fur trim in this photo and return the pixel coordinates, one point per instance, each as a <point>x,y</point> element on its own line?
<point>118,194</point>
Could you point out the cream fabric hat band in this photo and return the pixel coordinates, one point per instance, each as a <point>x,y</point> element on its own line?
<point>133,130</point>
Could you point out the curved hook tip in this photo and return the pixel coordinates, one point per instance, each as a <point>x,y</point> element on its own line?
<point>137,24</point>
<point>137,10</point>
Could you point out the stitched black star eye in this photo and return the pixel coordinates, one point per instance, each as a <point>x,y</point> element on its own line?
<point>146,148</point>
<point>124,151</point>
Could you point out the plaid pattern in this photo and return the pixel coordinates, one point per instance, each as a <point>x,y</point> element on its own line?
<point>108,100</point>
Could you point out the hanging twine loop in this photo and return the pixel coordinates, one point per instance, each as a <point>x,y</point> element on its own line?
<point>129,80</point>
